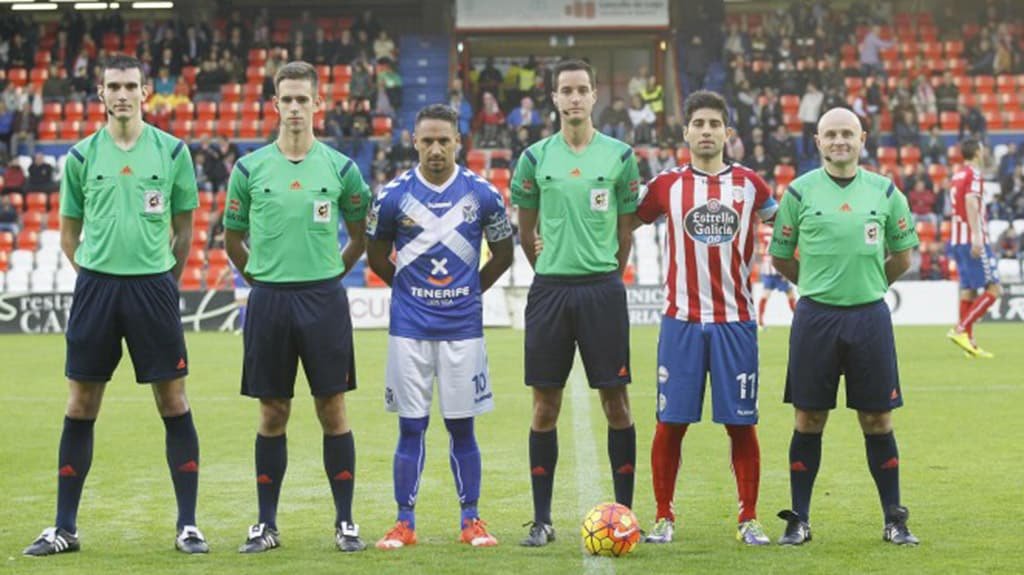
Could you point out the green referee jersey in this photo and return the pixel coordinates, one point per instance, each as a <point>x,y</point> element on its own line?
<point>842,234</point>
<point>580,196</point>
<point>291,211</point>
<point>126,199</point>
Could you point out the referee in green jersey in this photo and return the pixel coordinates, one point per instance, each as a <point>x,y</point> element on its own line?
<point>854,233</point>
<point>127,196</point>
<point>579,189</point>
<point>289,196</point>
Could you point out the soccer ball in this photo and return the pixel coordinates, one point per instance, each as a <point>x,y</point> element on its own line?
<point>610,530</point>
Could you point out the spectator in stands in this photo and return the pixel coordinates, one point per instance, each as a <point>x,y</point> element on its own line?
<point>788,79</point>
<point>164,83</point>
<point>654,96</point>
<point>973,123</point>
<point>520,143</point>
<point>1009,164</point>
<point>769,111</point>
<point>1010,245</point>
<point>403,154</point>
<point>10,219</point>
<point>905,129</point>
<point>673,133</point>
<point>915,173</point>
<point>14,178</point>
<point>465,110</point>
<point>23,130</point>
<point>934,262</point>
<point>490,79</point>
<point>321,51</point>
<point>809,112</point>
<point>199,162</point>
<point>368,23</point>
<point>781,147</point>
<point>194,45</point>
<point>642,120</point>
<point>982,58</point>
<point>40,175</point>
<point>56,88</point>
<point>383,46</point>
<point>525,117</point>
<point>933,147</point>
<point>663,159</point>
<point>870,51</point>
<point>696,65</point>
<point>924,96</point>
<point>1005,55</point>
<point>217,169</point>
<point>922,203</point>
<point>638,82</point>
<point>345,50</point>
<point>209,79</point>
<point>6,129</point>
<point>390,81</point>
<point>490,120</point>
<point>947,95</point>
<point>734,149</point>
<point>19,54</point>
<point>541,96</point>
<point>381,163</point>
<point>901,99</point>
<point>736,42</point>
<point>360,86</point>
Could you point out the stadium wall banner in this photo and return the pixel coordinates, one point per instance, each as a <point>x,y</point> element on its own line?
<point>911,303</point>
<point>489,15</point>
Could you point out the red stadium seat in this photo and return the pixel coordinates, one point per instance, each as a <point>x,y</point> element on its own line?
<point>985,84</point>
<point>268,127</point>
<point>909,50</point>
<point>6,241</point>
<point>221,199</point>
<point>853,84</point>
<point>205,201</point>
<point>476,160</point>
<point>953,155</point>
<point>255,75</point>
<point>189,73</point>
<point>206,111</point>
<point>886,155</point>
<point>47,130</point>
<point>76,111</point>
<point>249,129</point>
<point>993,118</point>
<point>215,277</point>
<point>185,111</point>
<point>784,174</point>
<point>17,76</point>
<point>790,103</point>
<point>252,92</point>
<point>226,128</point>
<point>500,177</point>
<point>257,56</point>
<point>910,155</point>
<point>341,74</point>
<point>182,129</point>
<point>1015,120</point>
<point>53,219</point>
<point>204,129</point>
<point>199,239</point>
<point>954,48</point>
<point>381,125</point>
<point>251,111</point>
<point>28,240</point>
<point>94,111</point>
<point>18,201</point>
<point>269,111</point>
<point>324,72</point>
<point>938,173</point>
<point>191,279</point>
<point>69,130</point>
<point>218,257</point>
<point>927,119</point>
<point>32,222</point>
<point>196,258</point>
<point>43,58</point>
<point>36,202</point>
<point>230,93</point>
<point>949,121</point>
<point>931,50</point>
<point>230,111</point>
<point>4,264</point>
<point>53,112</point>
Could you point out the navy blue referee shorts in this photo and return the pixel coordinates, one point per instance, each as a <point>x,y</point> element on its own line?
<point>857,342</point>
<point>143,310</point>
<point>563,312</point>
<point>288,322</point>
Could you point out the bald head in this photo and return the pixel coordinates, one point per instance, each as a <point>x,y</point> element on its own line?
<point>840,139</point>
<point>839,117</point>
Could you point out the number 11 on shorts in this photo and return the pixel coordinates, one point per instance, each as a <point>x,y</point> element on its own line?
<point>748,385</point>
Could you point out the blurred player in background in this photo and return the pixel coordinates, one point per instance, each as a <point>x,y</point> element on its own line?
<point>579,189</point>
<point>289,197</point>
<point>771,279</point>
<point>975,261</point>
<point>131,187</point>
<point>855,233</point>
<point>708,327</point>
<point>435,216</point>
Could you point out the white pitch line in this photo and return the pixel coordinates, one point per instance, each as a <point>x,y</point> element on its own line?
<point>587,468</point>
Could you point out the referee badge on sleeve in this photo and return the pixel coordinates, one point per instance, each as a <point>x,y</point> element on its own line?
<point>322,211</point>
<point>871,233</point>
<point>154,202</point>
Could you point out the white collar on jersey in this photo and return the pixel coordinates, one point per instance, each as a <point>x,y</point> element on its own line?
<point>722,172</point>
<point>439,189</point>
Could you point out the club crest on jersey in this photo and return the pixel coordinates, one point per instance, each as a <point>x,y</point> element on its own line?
<point>712,223</point>
<point>599,200</point>
<point>871,233</point>
<point>737,194</point>
<point>321,211</point>
<point>154,202</point>
<point>470,211</point>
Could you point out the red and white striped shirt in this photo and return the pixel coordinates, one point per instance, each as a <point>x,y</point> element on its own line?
<point>764,234</point>
<point>711,234</point>
<point>966,183</point>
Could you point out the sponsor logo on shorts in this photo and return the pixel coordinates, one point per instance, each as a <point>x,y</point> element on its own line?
<point>712,223</point>
<point>389,396</point>
<point>746,412</point>
<point>662,402</point>
<point>483,397</point>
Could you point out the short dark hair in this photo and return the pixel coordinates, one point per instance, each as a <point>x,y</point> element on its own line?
<point>704,99</point>
<point>123,62</point>
<point>969,148</point>
<point>297,70</point>
<point>442,112</point>
<point>572,65</point>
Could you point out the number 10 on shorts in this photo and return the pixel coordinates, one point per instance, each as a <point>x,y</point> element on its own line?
<point>748,385</point>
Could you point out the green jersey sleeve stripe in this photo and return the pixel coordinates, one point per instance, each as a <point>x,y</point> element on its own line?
<point>241,168</point>
<point>77,155</point>
<point>795,193</point>
<point>892,188</point>
<point>626,154</point>
<point>345,169</point>
<point>177,149</point>
<point>531,157</point>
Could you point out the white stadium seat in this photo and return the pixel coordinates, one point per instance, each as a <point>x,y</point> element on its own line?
<point>1009,270</point>
<point>17,281</point>
<point>41,281</point>
<point>3,281</point>
<point>49,239</point>
<point>66,280</point>
<point>22,260</point>
<point>47,259</point>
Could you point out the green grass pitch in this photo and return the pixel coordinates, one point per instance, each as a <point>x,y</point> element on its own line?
<point>959,439</point>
